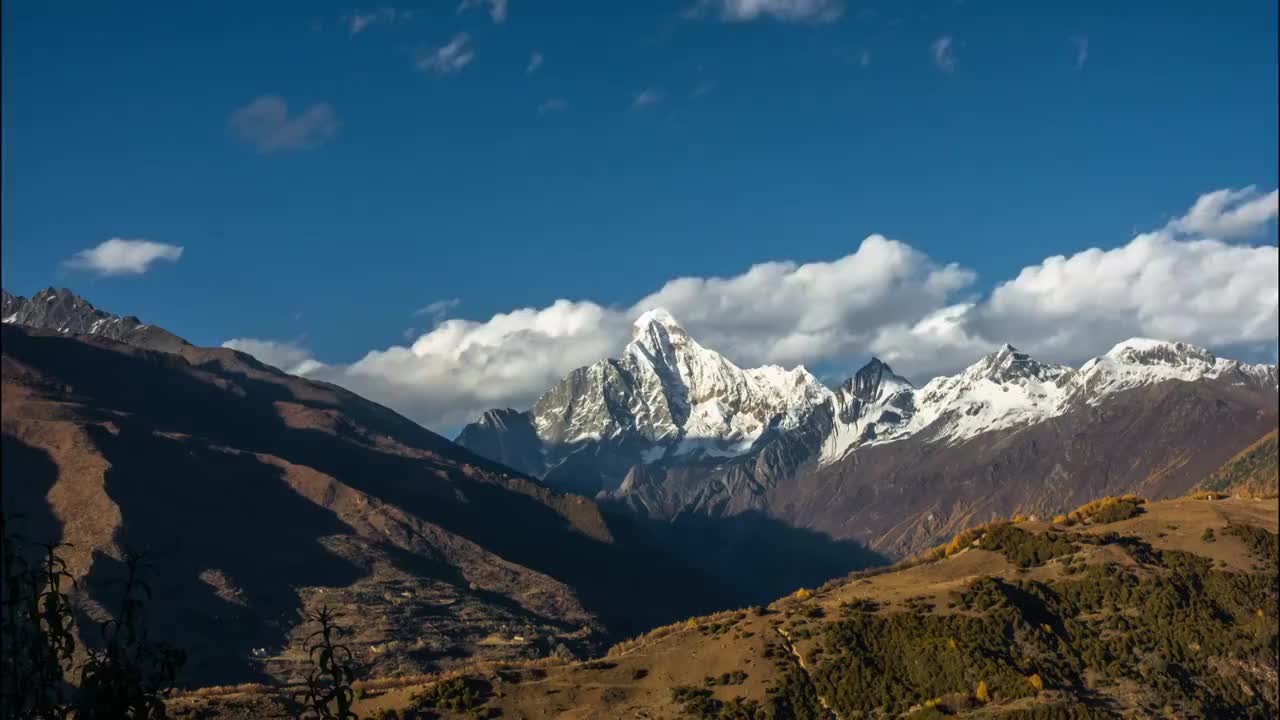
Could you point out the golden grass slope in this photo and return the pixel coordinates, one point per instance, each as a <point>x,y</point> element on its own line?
<point>736,664</point>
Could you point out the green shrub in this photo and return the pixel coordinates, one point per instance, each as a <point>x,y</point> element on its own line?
<point>1168,625</point>
<point>459,693</point>
<point>1025,549</point>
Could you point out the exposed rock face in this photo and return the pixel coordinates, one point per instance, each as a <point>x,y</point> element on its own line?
<point>674,428</point>
<point>62,311</point>
<point>666,397</point>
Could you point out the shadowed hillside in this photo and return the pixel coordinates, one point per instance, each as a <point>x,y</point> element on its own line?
<point>260,495</point>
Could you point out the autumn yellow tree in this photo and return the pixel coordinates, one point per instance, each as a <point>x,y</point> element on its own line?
<point>982,694</point>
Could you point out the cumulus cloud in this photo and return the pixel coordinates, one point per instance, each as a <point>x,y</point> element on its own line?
<point>266,124</point>
<point>287,356</point>
<point>647,98</point>
<point>462,367</point>
<point>784,312</point>
<point>944,53</point>
<point>535,62</point>
<point>360,21</point>
<point>1228,213</point>
<point>497,8</point>
<point>449,58</point>
<point>1203,291</point>
<point>1177,283</point>
<point>119,256</point>
<point>886,298</point>
<point>821,11</point>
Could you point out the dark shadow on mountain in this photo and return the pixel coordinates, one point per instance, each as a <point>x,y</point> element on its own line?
<point>205,519</point>
<point>617,570</point>
<point>760,558</point>
<point>26,476</point>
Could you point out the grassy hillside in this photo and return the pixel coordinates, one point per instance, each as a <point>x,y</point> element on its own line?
<point>1124,610</point>
<point>1253,472</point>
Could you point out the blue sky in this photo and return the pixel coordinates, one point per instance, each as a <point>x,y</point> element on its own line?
<point>988,134</point>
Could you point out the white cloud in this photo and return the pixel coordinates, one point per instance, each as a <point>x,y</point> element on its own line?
<point>287,356</point>
<point>119,256</point>
<point>1228,213</point>
<point>360,21</point>
<point>774,312</point>
<point>497,8</point>
<point>1082,50</point>
<point>790,313</point>
<point>266,124</point>
<point>783,10</point>
<point>450,58</point>
<point>886,297</point>
<point>437,310</point>
<point>1176,283</point>
<point>647,98</point>
<point>944,54</point>
<point>551,105</point>
<point>1202,291</point>
<point>535,62</point>
<point>463,367</point>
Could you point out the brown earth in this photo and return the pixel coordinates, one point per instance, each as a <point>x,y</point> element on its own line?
<point>636,678</point>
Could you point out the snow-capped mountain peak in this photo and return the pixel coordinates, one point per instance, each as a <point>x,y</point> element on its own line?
<point>1143,361</point>
<point>667,396</point>
<point>1145,351</point>
<point>1008,364</point>
<point>657,316</point>
<point>1003,389</point>
<point>669,400</point>
<point>875,403</point>
<point>658,340</point>
<point>873,381</point>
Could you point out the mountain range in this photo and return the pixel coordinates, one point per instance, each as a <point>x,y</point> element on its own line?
<point>259,496</point>
<point>673,429</point>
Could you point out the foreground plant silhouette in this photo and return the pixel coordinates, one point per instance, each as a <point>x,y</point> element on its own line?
<point>129,676</point>
<point>328,694</point>
<point>126,678</point>
<point>37,631</point>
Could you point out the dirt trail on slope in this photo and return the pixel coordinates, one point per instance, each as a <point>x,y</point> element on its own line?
<point>786,639</point>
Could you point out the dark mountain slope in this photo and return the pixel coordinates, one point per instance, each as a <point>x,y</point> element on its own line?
<point>1254,472</point>
<point>259,494</point>
<point>1156,440</point>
